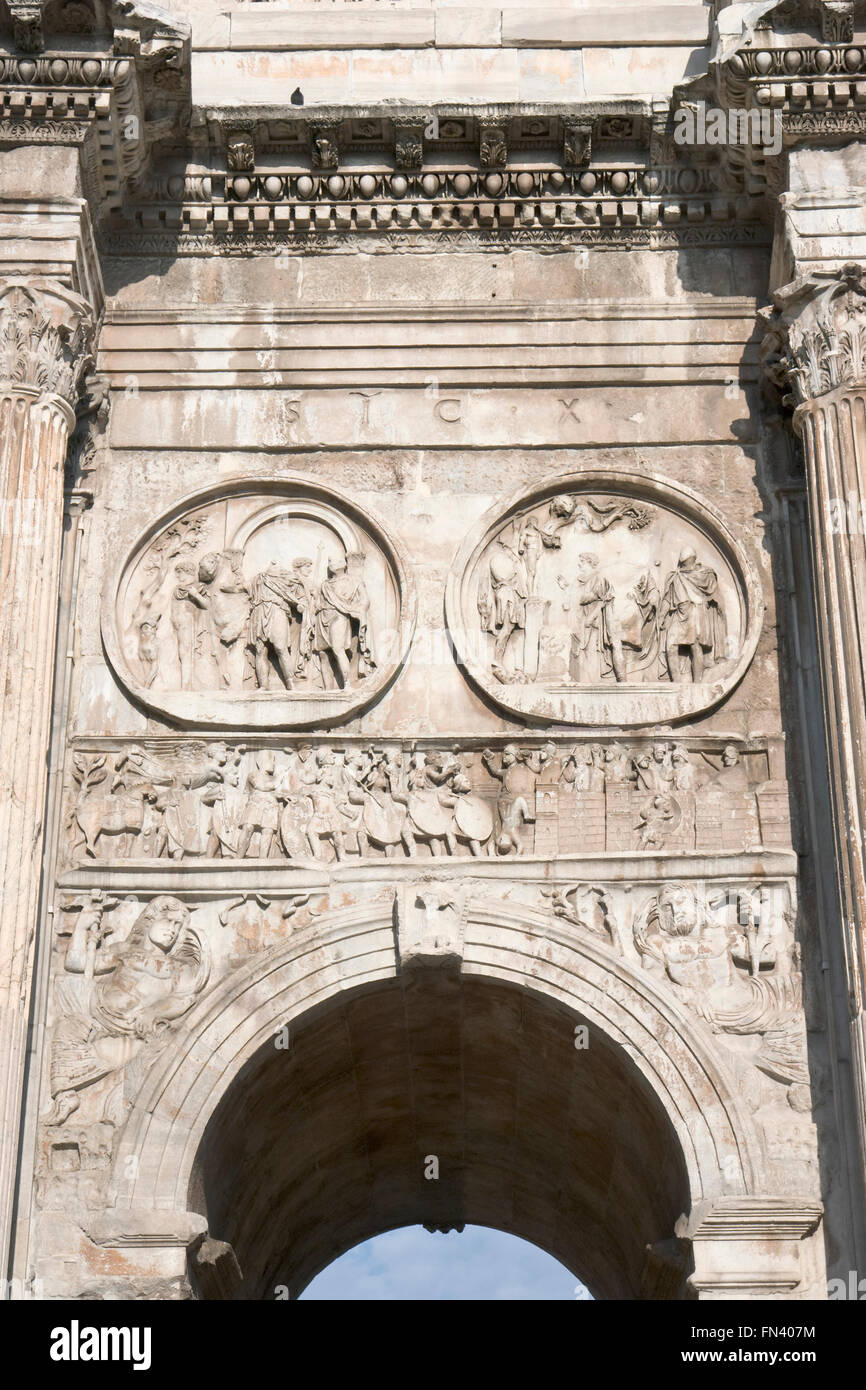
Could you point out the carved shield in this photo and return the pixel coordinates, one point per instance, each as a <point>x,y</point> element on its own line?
<point>293,821</point>
<point>474,818</point>
<point>383,820</point>
<point>428,813</point>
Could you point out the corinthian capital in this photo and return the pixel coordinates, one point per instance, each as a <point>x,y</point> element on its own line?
<point>46,336</point>
<point>816,333</point>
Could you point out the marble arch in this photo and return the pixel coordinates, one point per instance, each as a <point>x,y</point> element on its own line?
<point>710,1135</point>
<point>434,577</point>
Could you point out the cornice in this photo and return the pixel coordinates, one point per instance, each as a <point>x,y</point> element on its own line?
<point>803,65</point>
<point>114,86</point>
<point>164,180</point>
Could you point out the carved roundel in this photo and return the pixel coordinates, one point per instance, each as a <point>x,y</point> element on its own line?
<point>604,599</point>
<point>260,605</point>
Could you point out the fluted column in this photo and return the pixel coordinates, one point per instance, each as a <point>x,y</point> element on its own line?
<point>45,339</point>
<point>817,348</point>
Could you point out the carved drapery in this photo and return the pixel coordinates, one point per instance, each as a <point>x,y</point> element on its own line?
<point>45,337</point>
<point>817,348</point>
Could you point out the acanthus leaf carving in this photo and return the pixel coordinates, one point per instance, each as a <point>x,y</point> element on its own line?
<point>816,333</point>
<point>46,337</point>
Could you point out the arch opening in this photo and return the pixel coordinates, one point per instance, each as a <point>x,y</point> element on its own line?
<point>440,1099</point>
<point>477,1264</point>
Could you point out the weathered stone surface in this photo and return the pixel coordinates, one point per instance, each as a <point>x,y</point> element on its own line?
<point>426,769</point>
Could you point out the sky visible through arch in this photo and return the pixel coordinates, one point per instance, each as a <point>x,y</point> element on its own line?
<point>412,1264</point>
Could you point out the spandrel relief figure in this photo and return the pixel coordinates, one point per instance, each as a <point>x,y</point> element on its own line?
<point>741,978</point>
<point>586,907</point>
<point>117,999</point>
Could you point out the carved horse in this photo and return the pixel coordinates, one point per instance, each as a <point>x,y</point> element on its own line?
<point>112,815</point>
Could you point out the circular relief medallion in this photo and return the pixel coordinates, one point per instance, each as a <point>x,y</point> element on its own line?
<point>263,605</point>
<point>604,598</point>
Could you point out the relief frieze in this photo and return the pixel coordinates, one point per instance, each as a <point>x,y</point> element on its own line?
<point>218,801</point>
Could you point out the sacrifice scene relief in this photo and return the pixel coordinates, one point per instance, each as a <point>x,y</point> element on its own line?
<point>603,590</point>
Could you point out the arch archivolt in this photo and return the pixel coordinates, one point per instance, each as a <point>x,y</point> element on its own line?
<point>526,1013</point>
<point>356,948</point>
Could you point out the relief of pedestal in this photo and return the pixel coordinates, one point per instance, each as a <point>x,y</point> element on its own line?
<point>604,599</point>
<point>45,338</point>
<point>271,606</point>
<point>816,348</point>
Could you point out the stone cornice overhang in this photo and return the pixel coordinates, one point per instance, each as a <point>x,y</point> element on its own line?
<point>164,178</point>
<point>113,90</point>
<point>801,63</point>
<point>601,173</point>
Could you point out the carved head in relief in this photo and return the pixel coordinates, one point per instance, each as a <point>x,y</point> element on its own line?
<point>676,912</point>
<point>207,567</point>
<point>159,925</point>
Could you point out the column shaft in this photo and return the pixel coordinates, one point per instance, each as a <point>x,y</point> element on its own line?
<point>817,347</point>
<point>44,331</point>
